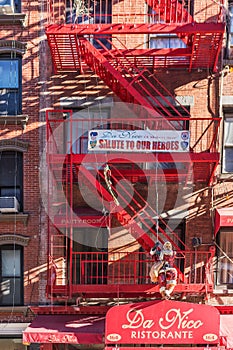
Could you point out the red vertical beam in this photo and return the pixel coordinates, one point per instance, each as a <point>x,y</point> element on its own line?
<point>70,148</point>
<point>215,68</point>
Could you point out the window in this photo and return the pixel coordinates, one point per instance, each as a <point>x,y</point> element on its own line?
<point>231,24</point>
<point>17,6</point>
<point>89,256</point>
<point>89,11</point>
<point>10,86</point>
<point>11,258</point>
<point>9,7</point>
<point>165,41</point>
<point>227,149</point>
<point>229,53</point>
<point>225,266</point>
<point>93,118</point>
<point>11,175</point>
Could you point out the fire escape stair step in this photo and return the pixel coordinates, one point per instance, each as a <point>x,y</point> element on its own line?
<point>131,84</point>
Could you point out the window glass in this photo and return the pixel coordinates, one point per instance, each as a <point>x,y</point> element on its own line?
<point>10,192</point>
<point>228,160</point>
<point>10,263</point>
<point>231,19</point>
<point>10,85</point>
<point>9,74</point>
<point>89,11</point>
<point>91,119</point>
<point>11,175</point>
<point>17,5</point>
<point>11,277</point>
<point>228,131</point>
<point>166,42</point>
<point>225,266</point>
<point>227,156</point>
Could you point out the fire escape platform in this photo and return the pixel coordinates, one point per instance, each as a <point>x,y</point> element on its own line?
<point>140,28</point>
<point>126,290</point>
<point>69,51</point>
<point>116,158</point>
<point>200,165</point>
<point>152,58</point>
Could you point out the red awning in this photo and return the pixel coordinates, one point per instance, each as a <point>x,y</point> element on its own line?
<point>223,218</point>
<point>72,329</point>
<point>164,348</point>
<point>226,331</point>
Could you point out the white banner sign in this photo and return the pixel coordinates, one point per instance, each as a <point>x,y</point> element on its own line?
<point>138,140</point>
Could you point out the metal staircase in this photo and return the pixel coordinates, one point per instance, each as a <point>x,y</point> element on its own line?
<point>140,219</point>
<point>130,83</point>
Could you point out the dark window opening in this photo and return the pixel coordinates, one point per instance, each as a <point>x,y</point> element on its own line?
<point>90,256</point>
<point>11,175</point>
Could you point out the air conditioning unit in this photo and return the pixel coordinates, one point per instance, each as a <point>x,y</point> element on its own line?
<point>7,7</point>
<point>9,205</point>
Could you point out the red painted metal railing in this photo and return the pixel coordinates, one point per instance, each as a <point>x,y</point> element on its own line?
<point>104,273</point>
<point>106,11</point>
<point>176,11</point>
<point>68,132</point>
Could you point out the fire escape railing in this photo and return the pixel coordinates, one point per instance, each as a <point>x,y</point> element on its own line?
<point>124,267</point>
<point>203,131</point>
<point>164,11</point>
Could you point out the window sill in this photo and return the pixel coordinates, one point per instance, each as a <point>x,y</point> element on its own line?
<point>12,18</point>
<point>225,176</point>
<point>14,120</point>
<point>19,217</point>
<point>20,309</point>
<point>223,290</point>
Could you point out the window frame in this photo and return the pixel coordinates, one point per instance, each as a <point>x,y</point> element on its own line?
<point>17,183</point>
<point>166,38</point>
<point>228,52</point>
<point>230,9</point>
<point>13,247</point>
<point>75,135</point>
<point>226,146</point>
<point>224,238</point>
<point>12,93</point>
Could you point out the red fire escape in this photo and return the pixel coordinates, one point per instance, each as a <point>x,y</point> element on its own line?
<point>94,37</point>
